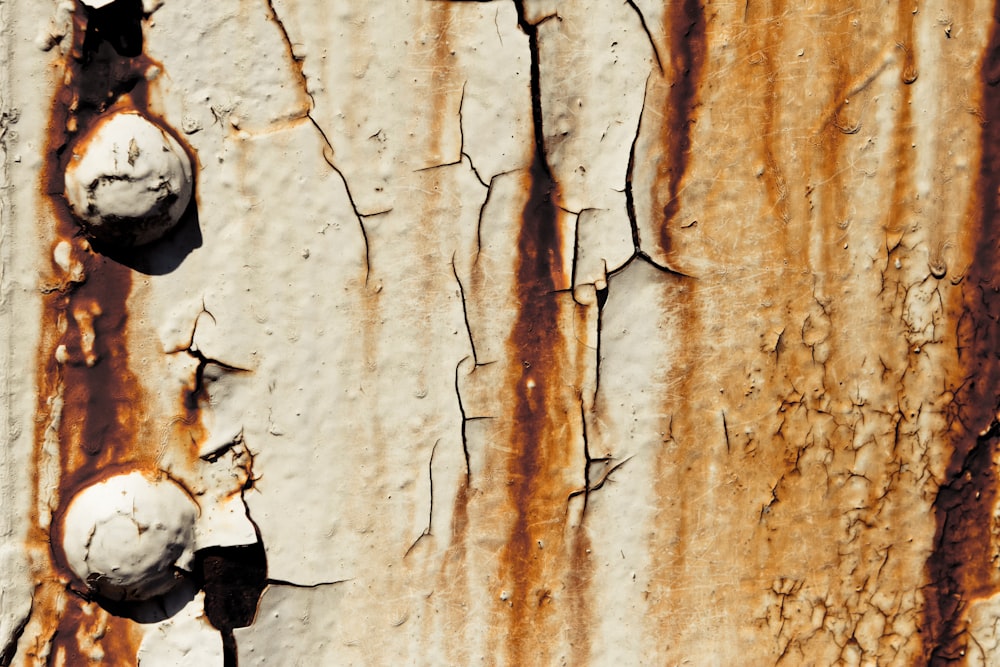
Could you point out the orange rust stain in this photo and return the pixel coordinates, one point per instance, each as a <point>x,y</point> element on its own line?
<point>960,568</point>
<point>901,203</point>
<point>580,571</point>
<point>675,470</point>
<point>769,38</point>
<point>442,68</point>
<point>85,325</point>
<point>685,28</point>
<point>580,617</point>
<point>88,635</point>
<point>453,576</point>
<point>539,447</point>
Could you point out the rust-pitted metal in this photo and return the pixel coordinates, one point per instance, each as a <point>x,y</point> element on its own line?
<point>724,393</point>
<point>962,567</point>
<point>93,415</point>
<point>685,29</point>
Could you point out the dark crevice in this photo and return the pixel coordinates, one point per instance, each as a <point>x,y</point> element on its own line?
<point>482,210</point>
<point>645,28</point>
<point>230,652</point>
<point>586,460</point>
<point>233,579</point>
<point>328,158</point>
<point>637,251</point>
<point>465,311</point>
<point>465,421</point>
<point>474,170</point>
<point>461,147</point>
<point>606,477</point>
<point>430,512</point>
<point>531,30</point>
<point>602,300</point>
<point>118,24</point>
<point>290,584</point>
<point>328,151</point>
<point>725,431</point>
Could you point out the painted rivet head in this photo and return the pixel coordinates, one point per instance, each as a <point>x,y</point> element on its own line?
<point>128,181</point>
<point>126,536</point>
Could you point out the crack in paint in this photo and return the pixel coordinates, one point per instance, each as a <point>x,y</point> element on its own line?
<point>649,36</point>
<point>430,512</point>
<point>328,151</point>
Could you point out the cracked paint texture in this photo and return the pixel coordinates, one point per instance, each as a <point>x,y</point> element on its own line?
<point>522,333</point>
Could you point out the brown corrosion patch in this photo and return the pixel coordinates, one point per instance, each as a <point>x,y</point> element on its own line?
<point>960,568</point>
<point>88,635</point>
<point>89,400</point>
<point>901,202</point>
<point>768,38</point>
<point>685,27</point>
<point>543,413</point>
<point>85,323</point>
<point>538,448</point>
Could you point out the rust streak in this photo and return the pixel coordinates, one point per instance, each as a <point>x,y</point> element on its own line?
<point>537,365</point>
<point>89,398</point>
<point>960,568</point>
<point>685,26</point>
<point>540,440</point>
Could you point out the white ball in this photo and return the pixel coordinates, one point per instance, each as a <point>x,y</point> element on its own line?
<point>128,180</point>
<point>124,536</point>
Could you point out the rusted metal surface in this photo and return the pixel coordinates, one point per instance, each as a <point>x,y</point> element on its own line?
<point>737,404</point>
<point>962,567</point>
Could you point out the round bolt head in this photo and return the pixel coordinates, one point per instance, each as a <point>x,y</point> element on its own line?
<point>128,181</point>
<point>124,536</point>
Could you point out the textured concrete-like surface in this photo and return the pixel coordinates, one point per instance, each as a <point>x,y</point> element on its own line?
<point>516,332</point>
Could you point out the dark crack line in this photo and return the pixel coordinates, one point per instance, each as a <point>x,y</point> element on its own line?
<point>465,311</point>
<point>482,210</point>
<point>291,584</point>
<point>327,157</point>
<point>465,420</point>
<point>587,460</point>
<point>535,83</point>
<point>223,449</point>
<point>602,300</point>
<point>637,251</point>
<point>606,477</point>
<point>328,152</point>
<point>588,486</point>
<point>652,43</point>
<point>629,172</point>
<point>430,513</point>
<point>725,430</point>
<point>461,148</point>
<point>192,397</point>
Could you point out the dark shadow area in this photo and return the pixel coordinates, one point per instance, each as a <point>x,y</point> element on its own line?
<point>119,24</point>
<point>153,610</point>
<point>164,255</point>
<point>233,579</point>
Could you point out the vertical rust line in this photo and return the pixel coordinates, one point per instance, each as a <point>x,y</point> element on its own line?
<point>960,569</point>
<point>90,400</point>
<point>685,28</point>
<point>541,438</point>
<point>900,203</point>
<point>536,371</point>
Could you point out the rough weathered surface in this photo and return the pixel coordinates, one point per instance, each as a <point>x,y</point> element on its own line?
<point>516,332</point>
